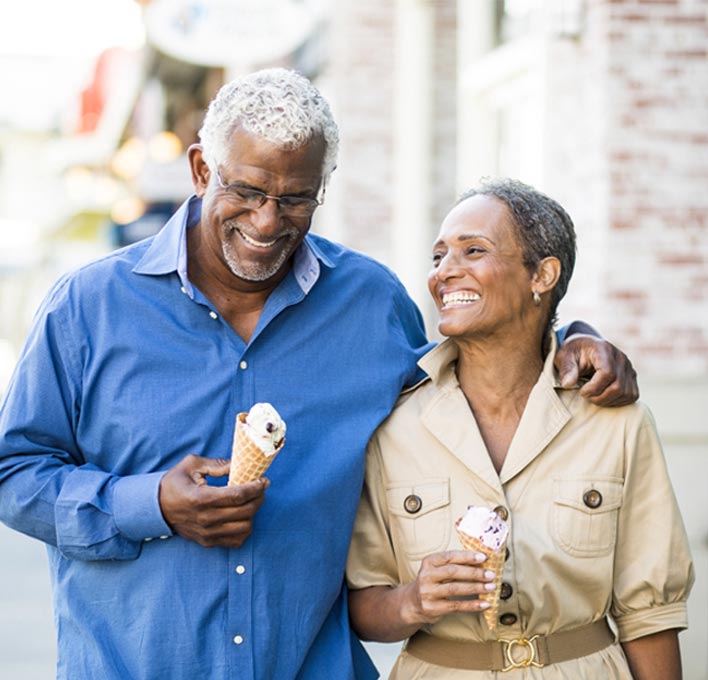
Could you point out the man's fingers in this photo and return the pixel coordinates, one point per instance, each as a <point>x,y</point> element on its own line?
<point>232,496</point>
<point>199,467</point>
<point>566,364</point>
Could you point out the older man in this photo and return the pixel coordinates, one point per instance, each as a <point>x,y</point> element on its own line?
<point>141,360</point>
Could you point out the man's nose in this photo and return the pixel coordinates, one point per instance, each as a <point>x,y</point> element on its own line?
<point>266,219</point>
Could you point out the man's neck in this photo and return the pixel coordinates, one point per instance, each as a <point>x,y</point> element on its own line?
<point>239,302</point>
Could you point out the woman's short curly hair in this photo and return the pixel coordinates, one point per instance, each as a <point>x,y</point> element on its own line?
<point>543,227</point>
<point>278,104</point>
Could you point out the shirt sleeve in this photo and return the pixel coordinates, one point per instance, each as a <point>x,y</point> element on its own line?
<point>372,559</point>
<point>47,489</point>
<point>653,568</point>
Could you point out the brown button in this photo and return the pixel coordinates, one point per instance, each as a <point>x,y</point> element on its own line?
<point>412,504</point>
<point>502,512</point>
<point>506,555</point>
<point>507,619</point>
<point>506,591</point>
<point>592,498</point>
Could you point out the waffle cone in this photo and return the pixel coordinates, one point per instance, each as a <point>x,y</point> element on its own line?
<point>248,461</point>
<point>495,562</point>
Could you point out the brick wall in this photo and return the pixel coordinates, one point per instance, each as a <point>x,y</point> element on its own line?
<point>641,201</point>
<point>361,74</point>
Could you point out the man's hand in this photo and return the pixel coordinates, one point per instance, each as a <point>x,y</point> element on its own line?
<point>209,515</point>
<point>612,380</point>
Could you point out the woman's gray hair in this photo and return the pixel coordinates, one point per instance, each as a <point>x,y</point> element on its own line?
<point>544,228</point>
<point>280,105</point>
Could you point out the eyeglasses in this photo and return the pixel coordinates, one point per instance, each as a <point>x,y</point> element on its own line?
<point>252,199</point>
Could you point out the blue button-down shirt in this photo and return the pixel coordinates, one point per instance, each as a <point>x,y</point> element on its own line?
<point>127,369</point>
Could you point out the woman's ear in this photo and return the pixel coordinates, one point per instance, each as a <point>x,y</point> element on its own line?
<point>546,276</point>
<point>200,169</point>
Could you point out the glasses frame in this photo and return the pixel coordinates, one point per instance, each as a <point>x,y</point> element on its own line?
<point>263,197</point>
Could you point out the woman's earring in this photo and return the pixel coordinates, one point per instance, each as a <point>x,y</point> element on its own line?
<point>536,298</point>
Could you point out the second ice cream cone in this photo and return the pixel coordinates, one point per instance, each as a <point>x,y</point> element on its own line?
<point>495,562</point>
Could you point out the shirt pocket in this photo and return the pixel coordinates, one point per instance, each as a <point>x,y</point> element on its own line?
<point>420,515</point>
<point>584,515</point>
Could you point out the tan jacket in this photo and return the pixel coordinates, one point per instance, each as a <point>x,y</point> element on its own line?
<point>569,564</point>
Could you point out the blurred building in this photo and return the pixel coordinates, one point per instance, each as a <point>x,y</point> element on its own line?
<point>603,104</point>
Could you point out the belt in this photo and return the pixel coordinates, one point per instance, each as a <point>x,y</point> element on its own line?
<point>506,655</point>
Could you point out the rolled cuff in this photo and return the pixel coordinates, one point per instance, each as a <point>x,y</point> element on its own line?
<point>649,621</point>
<point>136,507</point>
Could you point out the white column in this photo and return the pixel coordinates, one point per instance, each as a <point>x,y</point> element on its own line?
<point>412,145</point>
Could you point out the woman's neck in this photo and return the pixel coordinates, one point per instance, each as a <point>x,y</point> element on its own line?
<point>496,376</point>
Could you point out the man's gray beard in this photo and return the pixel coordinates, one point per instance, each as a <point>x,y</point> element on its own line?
<point>253,272</point>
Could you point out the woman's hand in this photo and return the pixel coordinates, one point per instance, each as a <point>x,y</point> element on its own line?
<point>390,614</point>
<point>447,582</point>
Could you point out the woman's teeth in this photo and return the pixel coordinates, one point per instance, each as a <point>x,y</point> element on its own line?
<point>459,298</point>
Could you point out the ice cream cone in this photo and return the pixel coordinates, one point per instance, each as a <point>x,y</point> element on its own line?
<point>495,562</point>
<point>248,460</point>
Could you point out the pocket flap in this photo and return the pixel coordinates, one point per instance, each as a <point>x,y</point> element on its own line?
<point>593,496</point>
<point>404,497</point>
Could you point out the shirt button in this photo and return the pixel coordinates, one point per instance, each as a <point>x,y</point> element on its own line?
<point>183,289</point>
<point>240,569</point>
<point>243,365</point>
<point>506,591</point>
<point>507,619</point>
<point>592,498</point>
<point>213,315</point>
<point>238,640</point>
<point>412,504</point>
<point>164,537</point>
<point>502,512</point>
<point>147,540</point>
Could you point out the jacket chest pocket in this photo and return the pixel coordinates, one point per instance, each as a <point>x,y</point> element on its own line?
<point>584,515</point>
<point>420,515</point>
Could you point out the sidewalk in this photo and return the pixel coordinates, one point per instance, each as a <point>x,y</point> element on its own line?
<point>27,646</point>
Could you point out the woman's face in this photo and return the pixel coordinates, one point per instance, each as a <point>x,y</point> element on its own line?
<point>478,280</point>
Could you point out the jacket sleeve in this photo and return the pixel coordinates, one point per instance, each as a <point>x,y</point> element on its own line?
<point>372,559</point>
<point>47,489</point>
<point>653,568</point>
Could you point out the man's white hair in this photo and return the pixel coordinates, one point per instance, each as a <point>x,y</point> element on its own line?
<point>280,105</point>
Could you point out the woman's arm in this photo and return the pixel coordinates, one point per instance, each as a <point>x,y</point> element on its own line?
<point>654,657</point>
<point>390,614</point>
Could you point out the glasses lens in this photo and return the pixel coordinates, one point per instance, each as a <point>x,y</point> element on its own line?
<point>251,198</point>
<point>297,205</point>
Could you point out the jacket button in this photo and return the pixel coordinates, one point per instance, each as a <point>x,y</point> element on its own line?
<point>506,591</point>
<point>412,504</point>
<point>507,619</point>
<point>502,512</point>
<point>507,552</point>
<point>592,498</point>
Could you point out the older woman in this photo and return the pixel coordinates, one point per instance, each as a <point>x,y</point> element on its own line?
<point>595,532</point>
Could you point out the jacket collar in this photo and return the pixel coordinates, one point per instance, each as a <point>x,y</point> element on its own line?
<point>448,417</point>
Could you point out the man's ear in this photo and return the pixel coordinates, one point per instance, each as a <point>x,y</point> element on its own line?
<point>200,169</point>
<point>547,274</point>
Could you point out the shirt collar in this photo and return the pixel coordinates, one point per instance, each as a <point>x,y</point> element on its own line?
<point>168,251</point>
<point>439,362</point>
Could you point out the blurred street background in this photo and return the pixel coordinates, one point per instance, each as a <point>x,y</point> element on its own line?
<point>603,104</point>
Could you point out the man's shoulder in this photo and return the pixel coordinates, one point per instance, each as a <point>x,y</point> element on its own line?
<point>89,280</point>
<point>341,256</point>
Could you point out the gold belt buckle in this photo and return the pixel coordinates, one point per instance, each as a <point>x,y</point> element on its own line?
<point>508,652</point>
